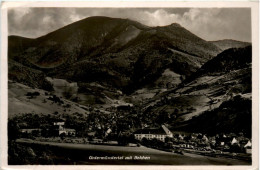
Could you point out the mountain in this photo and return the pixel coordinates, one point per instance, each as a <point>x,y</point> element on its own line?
<point>216,97</point>
<point>114,52</point>
<point>229,60</point>
<point>17,45</point>
<point>28,76</point>
<point>145,76</point>
<point>228,43</point>
<point>233,116</point>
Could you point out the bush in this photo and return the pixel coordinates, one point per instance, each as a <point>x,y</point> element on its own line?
<point>56,99</point>
<point>32,94</point>
<point>90,138</point>
<point>123,140</point>
<point>13,130</point>
<point>67,106</point>
<point>62,136</point>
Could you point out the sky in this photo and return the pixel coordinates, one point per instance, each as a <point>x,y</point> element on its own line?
<point>208,23</point>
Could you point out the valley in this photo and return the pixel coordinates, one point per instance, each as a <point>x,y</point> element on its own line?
<point>106,78</point>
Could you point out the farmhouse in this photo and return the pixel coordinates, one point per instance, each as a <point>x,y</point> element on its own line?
<point>248,147</point>
<point>151,133</point>
<point>59,129</point>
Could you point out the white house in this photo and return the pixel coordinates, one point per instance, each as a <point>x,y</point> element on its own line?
<point>62,130</point>
<point>150,133</point>
<point>30,130</point>
<point>248,147</point>
<point>234,141</point>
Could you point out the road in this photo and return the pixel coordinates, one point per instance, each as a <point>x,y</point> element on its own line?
<point>87,154</point>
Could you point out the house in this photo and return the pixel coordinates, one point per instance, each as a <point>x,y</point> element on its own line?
<point>234,141</point>
<point>67,132</point>
<point>108,131</point>
<point>60,129</point>
<point>193,136</point>
<point>212,140</point>
<point>187,146</point>
<point>205,138</point>
<point>179,136</point>
<point>92,134</point>
<point>248,147</point>
<point>222,140</point>
<point>30,131</point>
<point>167,131</point>
<point>151,133</point>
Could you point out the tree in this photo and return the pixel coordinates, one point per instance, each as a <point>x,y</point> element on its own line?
<point>62,136</point>
<point>144,141</point>
<point>235,148</point>
<point>45,132</point>
<point>167,139</point>
<point>32,94</point>
<point>123,140</point>
<point>162,117</point>
<point>36,133</point>
<point>154,142</point>
<point>90,138</point>
<point>13,130</point>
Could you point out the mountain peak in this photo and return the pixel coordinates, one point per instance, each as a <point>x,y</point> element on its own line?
<point>100,18</point>
<point>175,25</point>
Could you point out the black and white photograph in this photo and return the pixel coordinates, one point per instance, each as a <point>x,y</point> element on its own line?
<point>130,86</point>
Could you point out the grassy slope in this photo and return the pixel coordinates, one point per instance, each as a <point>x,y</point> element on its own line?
<point>206,91</point>
<point>226,44</point>
<point>18,102</point>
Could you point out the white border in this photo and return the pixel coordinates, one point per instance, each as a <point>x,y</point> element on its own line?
<point>255,69</point>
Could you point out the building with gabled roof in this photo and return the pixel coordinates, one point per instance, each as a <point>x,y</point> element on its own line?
<point>151,133</point>
<point>60,129</point>
<point>30,131</point>
<point>234,141</point>
<point>248,144</point>
<point>248,147</point>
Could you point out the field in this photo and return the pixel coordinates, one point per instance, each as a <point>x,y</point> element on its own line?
<point>87,154</point>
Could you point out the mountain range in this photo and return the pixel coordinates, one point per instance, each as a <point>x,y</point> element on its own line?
<point>172,75</point>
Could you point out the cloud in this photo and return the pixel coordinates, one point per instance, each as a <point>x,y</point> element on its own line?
<point>211,24</point>
<point>160,18</point>
<point>207,23</point>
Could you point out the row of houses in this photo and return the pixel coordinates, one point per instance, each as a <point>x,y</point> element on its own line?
<point>57,129</point>
<point>190,141</point>
<point>195,140</point>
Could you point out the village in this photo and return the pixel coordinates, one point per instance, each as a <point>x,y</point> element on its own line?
<point>228,145</point>
<point>125,126</point>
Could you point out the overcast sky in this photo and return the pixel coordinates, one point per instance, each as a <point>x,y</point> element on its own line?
<point>207,23</point>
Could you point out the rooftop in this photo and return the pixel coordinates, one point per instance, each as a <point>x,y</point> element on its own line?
<point>162,130</point>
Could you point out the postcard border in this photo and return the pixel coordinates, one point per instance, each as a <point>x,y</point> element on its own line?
<point>121,4</point>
